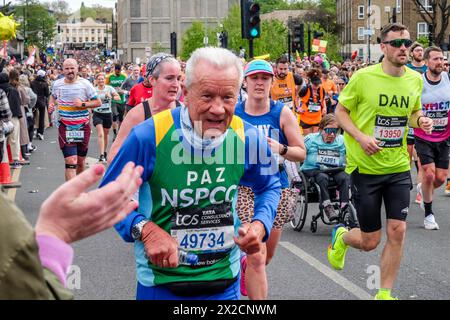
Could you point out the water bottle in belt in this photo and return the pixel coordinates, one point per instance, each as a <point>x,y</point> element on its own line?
<point>187,258</point>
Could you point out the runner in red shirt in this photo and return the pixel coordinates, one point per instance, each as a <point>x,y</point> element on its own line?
<point>139,93</point>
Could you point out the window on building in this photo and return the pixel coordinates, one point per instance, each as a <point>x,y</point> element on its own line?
<point>74,39</point>
<point>136,32</point>
<point>361,52</point>
<point>67,39</point>
<point>135,8</point>
<point>360,33</point>
<point>93,39</point>
<point>87,39</point>
<point>427,5</point>
<point>99,31</point>
<point>399,6</point>
<point>422,29</point>
<point>81,39</point>
<point>361,12</point>
<point>67,31</point>
<point>92,31</point>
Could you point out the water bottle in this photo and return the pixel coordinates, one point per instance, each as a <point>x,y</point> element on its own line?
<point>187,258</point>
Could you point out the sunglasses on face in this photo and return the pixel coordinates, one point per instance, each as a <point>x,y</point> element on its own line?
<point>331,130</point>
<point>397,43</point>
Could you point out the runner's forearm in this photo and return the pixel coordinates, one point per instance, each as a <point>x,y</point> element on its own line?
<point>413,120</point>
<point>346,123</point>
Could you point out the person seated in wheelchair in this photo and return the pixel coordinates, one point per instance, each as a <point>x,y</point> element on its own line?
<point>325,150</point>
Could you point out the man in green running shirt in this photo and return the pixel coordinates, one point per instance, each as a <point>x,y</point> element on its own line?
<point>375,123</point>
<point>116,80</point>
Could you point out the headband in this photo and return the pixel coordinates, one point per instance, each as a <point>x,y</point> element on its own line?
<point>153,63</point>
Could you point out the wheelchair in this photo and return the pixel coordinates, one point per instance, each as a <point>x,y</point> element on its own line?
<point>308,191</point>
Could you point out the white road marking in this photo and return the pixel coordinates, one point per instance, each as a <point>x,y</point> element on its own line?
<point>331,274</point>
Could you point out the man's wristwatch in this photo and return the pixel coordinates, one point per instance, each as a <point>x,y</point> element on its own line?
<point>83,104</point>
<point>284,151</point>
<point>136,231</point>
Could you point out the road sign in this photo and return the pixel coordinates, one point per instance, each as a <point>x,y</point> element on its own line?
<point>369,32</point>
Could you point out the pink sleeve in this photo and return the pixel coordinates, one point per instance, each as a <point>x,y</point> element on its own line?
<point>55,255</point>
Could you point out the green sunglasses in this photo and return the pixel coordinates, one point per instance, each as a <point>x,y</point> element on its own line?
<point>397,43</point>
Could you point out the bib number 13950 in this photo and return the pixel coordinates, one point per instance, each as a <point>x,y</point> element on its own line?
<point>390,131</point>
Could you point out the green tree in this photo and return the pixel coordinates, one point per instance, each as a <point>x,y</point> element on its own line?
<point>37,25</point>
<point>192,39</point>
<point>60,9</point>
<point>86,12</point>
<point>103,14</point>
<point>157,48</point>
<point>7,9</point>
<point>424,41</point>
<point>271,5</point>
<point>273,39</point>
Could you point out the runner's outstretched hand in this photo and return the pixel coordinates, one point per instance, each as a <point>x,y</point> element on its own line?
<point>72,213</point>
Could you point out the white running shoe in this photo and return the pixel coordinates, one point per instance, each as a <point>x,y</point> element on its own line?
<point>419,193</point>
<point>430,223</point>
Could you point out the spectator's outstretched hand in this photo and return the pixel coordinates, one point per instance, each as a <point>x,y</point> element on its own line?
<point>72,213</point>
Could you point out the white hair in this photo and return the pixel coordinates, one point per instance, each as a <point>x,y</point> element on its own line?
<point>218,57</point>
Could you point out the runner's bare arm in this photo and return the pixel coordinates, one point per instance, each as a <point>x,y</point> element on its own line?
<point>291,129</point>
<point>51,104</point>
<point>418,120</point>
<point>94,103</point>
<point>133,117</point>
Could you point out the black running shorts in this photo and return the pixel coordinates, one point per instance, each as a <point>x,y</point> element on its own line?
<point>105,119</point>
<point>433,152</point>
<point>369,191</point>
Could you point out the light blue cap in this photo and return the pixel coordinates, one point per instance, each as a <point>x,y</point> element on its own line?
<point>258,66</point>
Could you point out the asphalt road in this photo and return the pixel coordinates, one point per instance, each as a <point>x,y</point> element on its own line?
<point>299,270</point>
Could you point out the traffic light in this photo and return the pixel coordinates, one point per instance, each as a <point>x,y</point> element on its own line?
<point>250,20</point>
<point>173,44</point>
<point>430,35</point>
<point>318,34</point>
<point>298,41</point>
<point>59,29</point>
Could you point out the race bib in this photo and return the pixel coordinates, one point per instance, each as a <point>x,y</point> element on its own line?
<point>440,120</point>
<point>74,136</point>
<point>314,107</point>
<point>328,157</point>
<point>390,131</point>
<point>208,231</point>
<point>287,102</point>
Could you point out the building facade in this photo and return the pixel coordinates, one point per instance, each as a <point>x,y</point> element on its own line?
<point>144,26</point>
<point>75,34</point>
<point>359,31</point>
